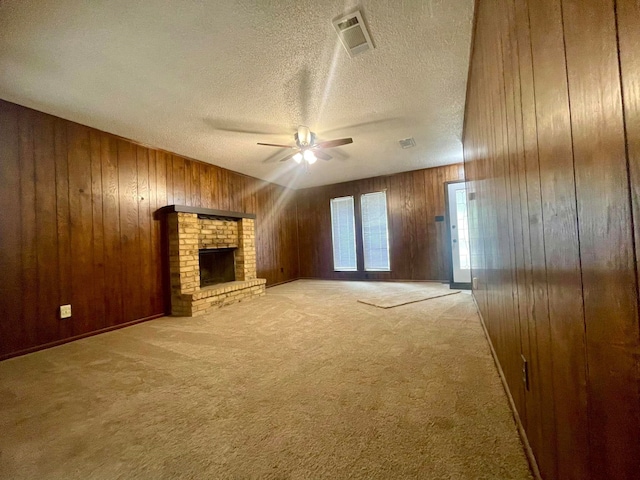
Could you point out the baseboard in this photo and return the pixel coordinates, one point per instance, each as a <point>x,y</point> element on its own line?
<point>523,434</point>
<point>37,348</point>
<point>282,283</point>
<point>372,280</point>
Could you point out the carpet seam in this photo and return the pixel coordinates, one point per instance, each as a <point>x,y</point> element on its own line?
<point>407,303</point>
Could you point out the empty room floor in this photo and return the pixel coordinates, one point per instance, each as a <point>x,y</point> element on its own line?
<point>305,382</point>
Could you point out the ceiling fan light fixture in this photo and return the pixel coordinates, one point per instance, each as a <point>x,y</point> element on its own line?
<point>310,157</point>
<point>298,157</point>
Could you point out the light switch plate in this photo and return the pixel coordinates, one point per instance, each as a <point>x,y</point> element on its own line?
<point>65,311</point>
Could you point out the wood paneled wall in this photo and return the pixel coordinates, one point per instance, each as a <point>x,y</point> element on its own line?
<point>77,226</point>
<point>552,153</point>
<point>418,244</point>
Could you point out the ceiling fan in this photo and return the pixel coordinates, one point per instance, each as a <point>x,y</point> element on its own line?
<point>307,148</point>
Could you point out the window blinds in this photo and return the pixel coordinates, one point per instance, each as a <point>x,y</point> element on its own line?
<point>343,230</point>
<point>375,234</point>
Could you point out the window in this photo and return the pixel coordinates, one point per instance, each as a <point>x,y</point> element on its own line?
<point>343,229</point>
<point>375,233</point>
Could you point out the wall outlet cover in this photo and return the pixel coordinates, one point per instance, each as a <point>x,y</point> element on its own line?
<point>65,311</point>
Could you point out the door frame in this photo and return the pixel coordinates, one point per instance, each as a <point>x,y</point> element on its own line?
<point>447,216</point>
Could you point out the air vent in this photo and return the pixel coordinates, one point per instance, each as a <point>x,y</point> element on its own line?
<point>407,143</point>
<point>353,34</point>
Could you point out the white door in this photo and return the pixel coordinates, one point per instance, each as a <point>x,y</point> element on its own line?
<point>459,229</point>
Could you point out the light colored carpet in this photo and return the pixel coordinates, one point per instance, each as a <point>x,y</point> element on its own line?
<point>304,382</point>
<point>393,294</point>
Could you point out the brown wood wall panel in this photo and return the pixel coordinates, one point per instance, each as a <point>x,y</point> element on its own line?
<point>417,243</point>
<point>551,154</point>
<point>10,255</point>
<point>99,282</point>
<point>628,22</point>
<point>47,246</point>
<point>606,231</point>
<point>29,266</point>
<point>113,292</point>
<point>78,226</point>
<point>628,19</point>
<point>540,413</point>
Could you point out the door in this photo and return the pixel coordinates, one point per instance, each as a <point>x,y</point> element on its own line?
<point>458,234</point>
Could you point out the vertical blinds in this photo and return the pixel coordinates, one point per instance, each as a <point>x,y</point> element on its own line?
<point>375,234</point>
<point>344,234</point>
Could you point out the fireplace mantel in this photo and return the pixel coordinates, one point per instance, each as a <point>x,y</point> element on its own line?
<point>206,211</point>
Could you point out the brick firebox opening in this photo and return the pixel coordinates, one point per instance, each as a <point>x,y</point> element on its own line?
<point>194,230</point>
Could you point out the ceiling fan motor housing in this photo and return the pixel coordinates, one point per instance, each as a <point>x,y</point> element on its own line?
<point>305,137</point>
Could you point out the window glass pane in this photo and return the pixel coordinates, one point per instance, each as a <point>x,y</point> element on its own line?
<point>463,229</point>
<point>375,234</point>
<point>343,229</point>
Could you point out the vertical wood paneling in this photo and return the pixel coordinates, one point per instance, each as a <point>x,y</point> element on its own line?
<point>47,240</point>
<point>98,313</point>
<point>63,222</point>
<point>628,23</point>
<point>81,215</point>
<point>129,233</point>
<point>178,175</point>
<point>417,243</point>
<point>606,233</point>
<point>553,219</point>
<point>10,237</point>
<point>561,222</point>
<point>113,260</point>
<point>80,228</point>
<point>541,424</point>
<point>144,227</point>
<point>421,248</point>
<point>29,265</point>
<point>155,252</point>
<point>169,172</point>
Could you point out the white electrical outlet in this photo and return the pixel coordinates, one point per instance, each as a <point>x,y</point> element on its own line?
<point>65,311</point>
<point>474,283</point>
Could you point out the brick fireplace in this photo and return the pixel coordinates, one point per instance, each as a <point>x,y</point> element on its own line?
<point>225,244</point>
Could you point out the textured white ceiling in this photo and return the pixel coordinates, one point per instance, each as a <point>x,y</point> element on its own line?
<point>179,75</point>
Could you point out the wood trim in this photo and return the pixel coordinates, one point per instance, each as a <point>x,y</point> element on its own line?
<point>472,46</point>
<point>78,337</point>
<point>372,280</point>
<point>523,434</point>
<point>282,283</point>
<point>205,211</point>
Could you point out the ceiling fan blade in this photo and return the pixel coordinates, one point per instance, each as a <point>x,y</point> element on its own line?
<point>227,125</point>
<point>334,143</point>
<point>276,145</point>
<point>288,157</point>
<point>322,155</point>
<point>371,123</point>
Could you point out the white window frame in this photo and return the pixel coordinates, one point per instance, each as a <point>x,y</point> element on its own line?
<point>364,243</point>
<point>333,239</point>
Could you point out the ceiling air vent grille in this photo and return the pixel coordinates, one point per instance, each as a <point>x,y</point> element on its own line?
<point>407,143</point>
<point>353,34</point>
